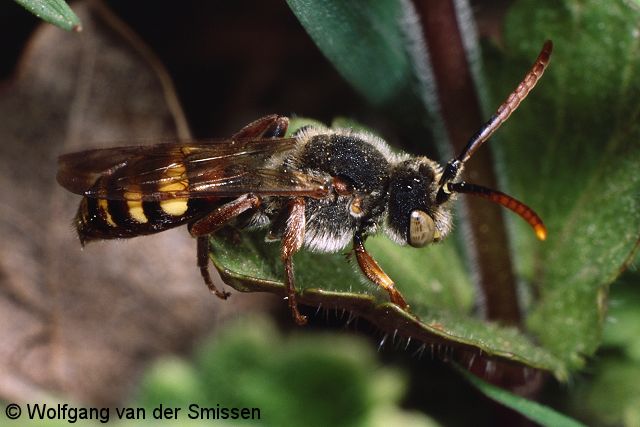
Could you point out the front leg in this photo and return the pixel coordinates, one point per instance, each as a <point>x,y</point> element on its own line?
<point>372,270</point>
<point>292,240</point>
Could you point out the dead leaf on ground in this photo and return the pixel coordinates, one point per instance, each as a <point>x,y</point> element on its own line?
<point>85,322</point>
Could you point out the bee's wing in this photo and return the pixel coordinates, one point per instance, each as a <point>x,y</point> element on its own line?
<point>195,170</point>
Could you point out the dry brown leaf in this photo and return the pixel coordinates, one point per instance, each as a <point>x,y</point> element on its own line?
<point>85,322</point>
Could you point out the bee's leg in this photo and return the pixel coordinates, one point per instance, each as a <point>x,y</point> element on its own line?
<point>272,126</point>
<point>202,228</point>
<point>203,264</point>
<point>292,240</point>
<point>372,270</point>
<point>223,215</point>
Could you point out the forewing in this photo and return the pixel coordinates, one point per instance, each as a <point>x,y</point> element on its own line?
<point>195,170</point>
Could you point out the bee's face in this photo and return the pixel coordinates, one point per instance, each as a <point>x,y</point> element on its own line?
<point>414,217</point>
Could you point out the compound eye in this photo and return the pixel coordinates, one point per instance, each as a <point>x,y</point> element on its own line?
<point>422,229</point>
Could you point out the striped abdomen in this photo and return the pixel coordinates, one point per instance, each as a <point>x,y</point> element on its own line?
<point>112,219</point>
<point>127,215</point>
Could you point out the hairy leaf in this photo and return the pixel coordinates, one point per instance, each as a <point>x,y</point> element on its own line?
<point>437,299</point>
<point>574,150</point>
<point>56,12</point>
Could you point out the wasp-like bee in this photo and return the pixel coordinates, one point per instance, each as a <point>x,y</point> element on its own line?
<point>320,189</point>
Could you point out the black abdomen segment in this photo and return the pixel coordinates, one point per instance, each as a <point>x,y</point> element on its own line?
<point>114,219</point>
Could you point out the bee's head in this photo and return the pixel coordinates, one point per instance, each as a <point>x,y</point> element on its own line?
<point>419,191</point>
<point>414,217</point>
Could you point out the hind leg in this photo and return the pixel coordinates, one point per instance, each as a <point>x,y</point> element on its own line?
<point>203,265</point>
<point>204,227</point>
<point>272,126</point>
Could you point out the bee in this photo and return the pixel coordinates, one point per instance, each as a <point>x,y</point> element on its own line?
<point>319,189</point>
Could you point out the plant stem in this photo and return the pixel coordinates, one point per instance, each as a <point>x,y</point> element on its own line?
<point>461,112</point>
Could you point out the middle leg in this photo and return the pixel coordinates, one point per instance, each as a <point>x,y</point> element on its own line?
<point>292,240</point>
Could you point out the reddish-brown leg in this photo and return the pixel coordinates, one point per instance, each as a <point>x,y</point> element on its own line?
<point>372,270</point>
<point>272,126</point>
<point>292,239</point>
<point>203,264</point>
<point>216,219</point>
<point>212,222</point>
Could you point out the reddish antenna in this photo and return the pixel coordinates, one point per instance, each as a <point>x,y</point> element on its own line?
<point>448,181</point>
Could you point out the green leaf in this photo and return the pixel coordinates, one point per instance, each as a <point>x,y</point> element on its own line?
<point>440,300</point>
<point>250,364</point>
<point>574,151</point>
<point>534,411</point>
<point>609,394</point>
<point>622,327</point>
<point>363,40</point>
<point>611,397</point>
<point>376,47</point>
<point>56,12</point>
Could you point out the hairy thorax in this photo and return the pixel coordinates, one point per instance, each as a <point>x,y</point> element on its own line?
<point>360,164</point>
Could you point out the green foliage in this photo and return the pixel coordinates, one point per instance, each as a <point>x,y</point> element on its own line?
<point>532,410</point>
<point>364,42</point>
<point>377,48</point>
<point>55,12</point>
<point>321,379</point>
<point>312,380</point>
<point>574,149</point>
<point>608,394</point>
